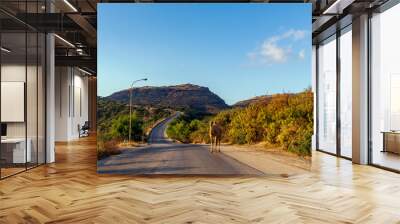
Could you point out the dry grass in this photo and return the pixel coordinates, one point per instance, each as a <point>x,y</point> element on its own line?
<point>129,144</point>
<point>114,147</point>
<point>271,148</point>
<point>105,149</point>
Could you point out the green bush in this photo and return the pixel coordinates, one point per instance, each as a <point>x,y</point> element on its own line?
<point>120,127</point>
<point>186,130</point>
<point>272,131</point>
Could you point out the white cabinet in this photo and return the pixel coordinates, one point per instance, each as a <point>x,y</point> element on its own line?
<point>19,155</point>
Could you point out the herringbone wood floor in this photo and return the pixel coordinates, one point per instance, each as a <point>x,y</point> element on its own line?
<point>70,191</point>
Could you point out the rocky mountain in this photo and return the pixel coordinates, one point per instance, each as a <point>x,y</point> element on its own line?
<point>255,100</point>
<point>185,96</point>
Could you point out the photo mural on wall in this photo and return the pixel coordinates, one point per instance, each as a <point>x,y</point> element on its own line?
<point>204,89</point>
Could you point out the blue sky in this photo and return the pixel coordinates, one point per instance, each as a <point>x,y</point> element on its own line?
<point>237,50</point>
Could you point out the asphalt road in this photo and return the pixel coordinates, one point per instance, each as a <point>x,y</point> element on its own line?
<point>163,156</point>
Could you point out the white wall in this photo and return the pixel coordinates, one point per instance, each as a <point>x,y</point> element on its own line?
<point>71,102</point>
<point>11,73</point>
<point>16,73</point>
<point>61,103</point>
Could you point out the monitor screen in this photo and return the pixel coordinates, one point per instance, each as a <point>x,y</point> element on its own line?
<point>3,129</point>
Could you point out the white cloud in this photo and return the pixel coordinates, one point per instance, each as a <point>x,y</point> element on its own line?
<point>302,54</point>
<point>295,34</point>
<point>272,51</point>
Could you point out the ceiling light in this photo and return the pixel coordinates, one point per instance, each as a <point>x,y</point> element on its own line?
<point>5,50</point>
<point>64,40</point>
<point>70,5</point>
<point>331,7</point>
<point>79,51</point>
<point>337,7</point>
<point>84,71</point>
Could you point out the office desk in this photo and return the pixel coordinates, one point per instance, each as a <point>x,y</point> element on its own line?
<point>391,141</point>
<point>13,150</point>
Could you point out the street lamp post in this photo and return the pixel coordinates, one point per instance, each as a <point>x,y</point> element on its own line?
<point>130,107</point>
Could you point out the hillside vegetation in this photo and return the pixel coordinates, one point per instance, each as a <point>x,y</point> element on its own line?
<point>286,120</point>
<point>178,97</point>
<point>255,100</point>
<point>113,124</point>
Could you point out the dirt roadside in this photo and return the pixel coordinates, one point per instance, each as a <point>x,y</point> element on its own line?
<point>272,161</point>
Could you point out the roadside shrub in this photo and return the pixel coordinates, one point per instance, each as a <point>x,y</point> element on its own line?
<point>179,130</point>
<point>107,148</point>
<point>200,133</point>
<point>286,120</point>
<point>272,131</point>
<point>120,128</point>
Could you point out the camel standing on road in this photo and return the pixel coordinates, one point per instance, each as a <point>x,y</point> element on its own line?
<point>215,136</point>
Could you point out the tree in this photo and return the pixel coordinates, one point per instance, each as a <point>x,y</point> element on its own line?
<point>120,127</point>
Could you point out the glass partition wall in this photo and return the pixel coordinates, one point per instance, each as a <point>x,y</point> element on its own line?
<point>334,93</point>
<point>22,98</point>
<point>385,89</point>
<point>345,90</point>
<point>327,95</point>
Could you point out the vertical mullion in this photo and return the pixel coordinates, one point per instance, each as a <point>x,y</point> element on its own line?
<point>37,89</point>
<point>26,86</point>
<point>69,92</point>
<point>369,89</point>
<point>45,87</point>
<point>80,102</point>
<point>317,96</point>
<point>338,80</point>
<point>60,95</point>
<point>73,92</point>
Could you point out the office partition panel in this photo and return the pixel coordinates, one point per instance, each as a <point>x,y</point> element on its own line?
<point>15,149</point>
<point>23,88</point>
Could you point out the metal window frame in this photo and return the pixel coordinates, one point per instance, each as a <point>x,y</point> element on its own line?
<point>339,32</point>
<point>318,91</point>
